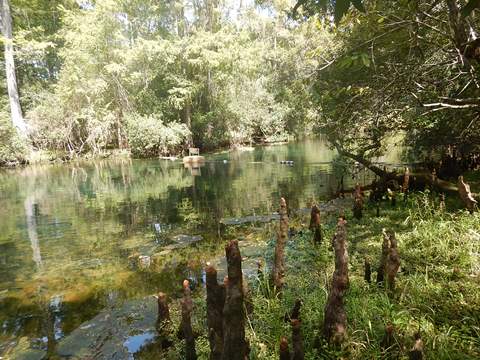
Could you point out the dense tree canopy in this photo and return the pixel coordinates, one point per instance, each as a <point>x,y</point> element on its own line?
<point>154,77</point>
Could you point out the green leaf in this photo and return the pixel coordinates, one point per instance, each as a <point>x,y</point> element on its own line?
<point>341,8</point>
<point>469,7</point>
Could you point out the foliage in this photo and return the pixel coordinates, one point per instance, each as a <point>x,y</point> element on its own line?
<point>229,73</point>
<point>148,136</point>
<point>13,149</point>
<point>437,287</point>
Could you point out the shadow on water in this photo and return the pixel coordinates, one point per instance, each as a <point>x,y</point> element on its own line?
<point>73,235</point>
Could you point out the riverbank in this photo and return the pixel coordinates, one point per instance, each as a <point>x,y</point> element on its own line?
<point>437,292</point>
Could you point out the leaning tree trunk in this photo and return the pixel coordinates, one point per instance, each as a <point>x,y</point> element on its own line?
<point>15,108</point>
<point>278,271</point>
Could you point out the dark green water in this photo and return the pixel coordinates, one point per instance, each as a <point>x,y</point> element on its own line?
<point>71,235</point>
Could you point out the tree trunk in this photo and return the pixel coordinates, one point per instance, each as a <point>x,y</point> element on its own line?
<point>15,108</point>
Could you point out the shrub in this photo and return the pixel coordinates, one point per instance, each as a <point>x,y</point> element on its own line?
<point>13,149</point>
<point>149,136</point>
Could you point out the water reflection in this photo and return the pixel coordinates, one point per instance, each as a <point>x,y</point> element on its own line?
<point>82,230</point>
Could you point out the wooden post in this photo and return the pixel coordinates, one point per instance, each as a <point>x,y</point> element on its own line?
<point>186,322</point>
<point>406,183</point>
<point>335,323</point>
<point>315,225</point>
<point>278,270</point>
<point>235,346</point>
<point>215,304</point>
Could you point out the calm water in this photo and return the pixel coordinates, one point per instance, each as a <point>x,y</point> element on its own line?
<point>71,235</point>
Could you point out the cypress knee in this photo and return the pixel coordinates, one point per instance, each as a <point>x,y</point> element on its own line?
<point>215,304</point>
<point>368,271</point>
<point>417,351</point>
<point>284,350</point>
<point>295,313</point>
<point>278,270</point>
<point>186,322</point>
<point>163,317</point>
<point>466,195</point>
<point>297,340</point>
<point>234,344</point>
<point>358,202</point>
<point>315,225</point>
<point>383,258</point>
<point>335,319</point>
<point>393,262</point>
<point>388,337</point>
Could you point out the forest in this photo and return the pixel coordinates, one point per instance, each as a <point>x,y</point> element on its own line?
<point>332,214</point>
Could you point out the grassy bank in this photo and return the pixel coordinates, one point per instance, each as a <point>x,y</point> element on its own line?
<point>437,293</point>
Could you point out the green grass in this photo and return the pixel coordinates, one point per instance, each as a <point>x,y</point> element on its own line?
<point>437,290</point>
